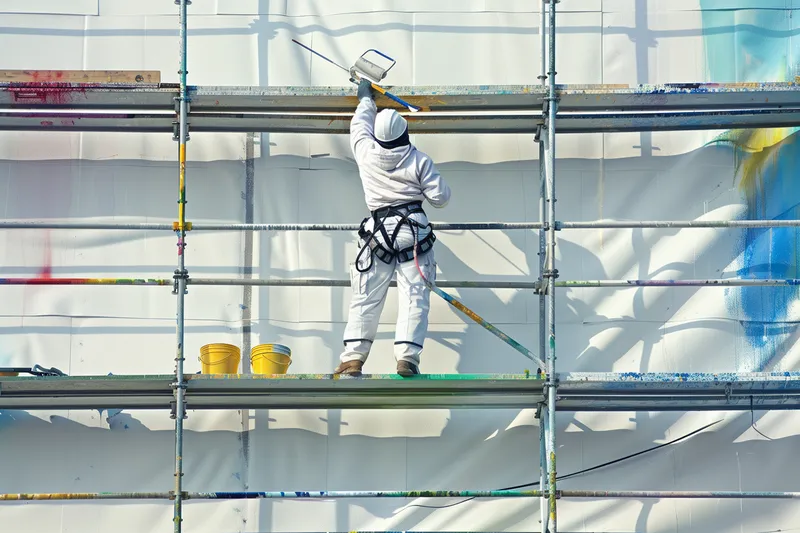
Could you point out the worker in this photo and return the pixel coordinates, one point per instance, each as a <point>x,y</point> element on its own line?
<point>396,178</point>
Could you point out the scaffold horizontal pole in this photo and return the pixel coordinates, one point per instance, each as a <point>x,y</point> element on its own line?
<point>477,226</point>
<point>518,285</point>
<point>333,495</point>
<point>85,281</point>
<point>732,282</point>
<point>677,224</point>
<point>60,496</point>
<point>441,226</point>
<point>525,285</point>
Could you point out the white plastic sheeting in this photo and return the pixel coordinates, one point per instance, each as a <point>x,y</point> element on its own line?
<point>298,178</point>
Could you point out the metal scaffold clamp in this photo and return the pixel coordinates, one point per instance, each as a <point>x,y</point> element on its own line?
<point>176,124</point>
<point>540,287</point>
<point>181,244</point>
<point>173,406</point>
<point>177,386</point>
<point>177,276</point>
<point>176,128</point>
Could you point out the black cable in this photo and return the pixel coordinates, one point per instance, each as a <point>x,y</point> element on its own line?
<point>753,420</point>
<point>579,472</point>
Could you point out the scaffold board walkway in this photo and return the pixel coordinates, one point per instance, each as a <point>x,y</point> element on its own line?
<point>446,109</point>
<point>576,391</point>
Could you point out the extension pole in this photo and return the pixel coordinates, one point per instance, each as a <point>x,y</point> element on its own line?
<point>181,275</point>
<point>542,265</point>
<point>551,272</point>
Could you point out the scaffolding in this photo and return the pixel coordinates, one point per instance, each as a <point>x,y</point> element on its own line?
<point>541,110</point>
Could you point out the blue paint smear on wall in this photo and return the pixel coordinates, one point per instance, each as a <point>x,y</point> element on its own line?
<point>746,44</point>
<point>770,253</point>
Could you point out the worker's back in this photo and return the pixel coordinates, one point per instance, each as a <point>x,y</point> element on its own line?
<point>392,176</point>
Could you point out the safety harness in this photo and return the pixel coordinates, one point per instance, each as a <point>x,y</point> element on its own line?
<point>386,251</point>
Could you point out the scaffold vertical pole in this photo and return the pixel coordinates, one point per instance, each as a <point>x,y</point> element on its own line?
<point>181,275</point>
<point>551,273</point>
<point>542,265</point>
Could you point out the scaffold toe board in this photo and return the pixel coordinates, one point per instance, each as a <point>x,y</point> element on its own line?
<point>576,391</point>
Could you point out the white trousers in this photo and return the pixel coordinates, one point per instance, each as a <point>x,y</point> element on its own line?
<point>369,295</point>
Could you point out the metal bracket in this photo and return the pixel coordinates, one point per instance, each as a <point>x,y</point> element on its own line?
<point>176,226</point>
<point>728,390</point>
<point>537,138</point>
<point>538,289</point>
<point>176,130</point>
<point>177,101</point>
<point>177,276</point>
<point>173,409</point>
<point>189,2</point>
<point>539,408</point>
<point>176,125</point>
<point>547,273</point>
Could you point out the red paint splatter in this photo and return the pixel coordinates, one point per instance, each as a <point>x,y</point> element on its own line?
<point>47,270</point>
<point>52,93</point>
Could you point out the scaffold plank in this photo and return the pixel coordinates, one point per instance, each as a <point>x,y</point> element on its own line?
<point>685,96</point>
<point>576,391</point>
<point>456,109</point>
<point>81,76</point>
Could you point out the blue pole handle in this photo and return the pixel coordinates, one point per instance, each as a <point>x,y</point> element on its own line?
<point>400,101</point>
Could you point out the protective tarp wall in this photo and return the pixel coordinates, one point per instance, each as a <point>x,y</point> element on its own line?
<point>301,178</point>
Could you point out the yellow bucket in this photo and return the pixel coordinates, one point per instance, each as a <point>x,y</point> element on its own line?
<point>220,358</point>
<point>270,359</point>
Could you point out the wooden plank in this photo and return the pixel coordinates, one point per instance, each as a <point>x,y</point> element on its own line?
<point>81,76</point>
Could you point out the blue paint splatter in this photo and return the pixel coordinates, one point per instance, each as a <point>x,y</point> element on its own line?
<point>756,45</point>
<point>770,253</point>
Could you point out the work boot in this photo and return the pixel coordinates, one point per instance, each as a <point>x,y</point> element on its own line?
<point>406,369</point>
<point>350,368</point>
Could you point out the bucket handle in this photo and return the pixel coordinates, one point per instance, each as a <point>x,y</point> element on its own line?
<point>266,356</point>
<point>200,358</point>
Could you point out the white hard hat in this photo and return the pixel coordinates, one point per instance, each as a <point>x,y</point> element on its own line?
<point>389,125</point>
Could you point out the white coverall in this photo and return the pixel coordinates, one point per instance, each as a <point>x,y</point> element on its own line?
<point>391,177</point>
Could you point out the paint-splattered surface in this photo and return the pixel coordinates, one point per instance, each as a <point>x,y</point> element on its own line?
<point>765,175</point>
<point>131,330</point>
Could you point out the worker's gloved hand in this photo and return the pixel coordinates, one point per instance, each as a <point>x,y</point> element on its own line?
<point>365,89</point>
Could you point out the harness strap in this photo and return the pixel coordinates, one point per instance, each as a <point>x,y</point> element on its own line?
<point>385,251</point>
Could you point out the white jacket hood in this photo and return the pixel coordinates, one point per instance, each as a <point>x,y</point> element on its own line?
<point>392,176</point>
<point>390,159</point>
